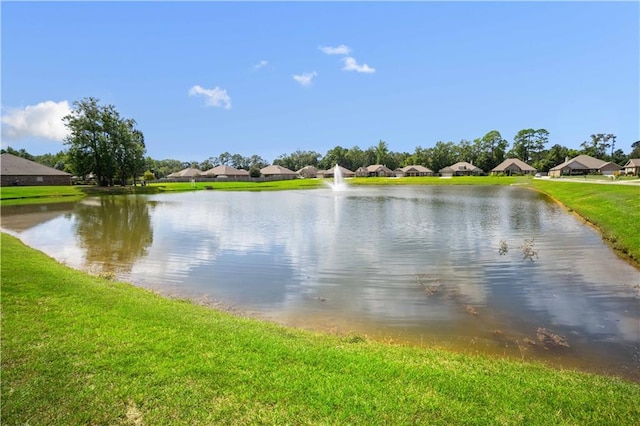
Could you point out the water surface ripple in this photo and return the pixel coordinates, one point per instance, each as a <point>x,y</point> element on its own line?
<point>410,263</point>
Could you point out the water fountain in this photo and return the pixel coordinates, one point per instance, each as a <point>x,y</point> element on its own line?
<point>338,180</point>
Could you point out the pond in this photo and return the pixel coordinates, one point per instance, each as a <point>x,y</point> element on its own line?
<point>498,270</point>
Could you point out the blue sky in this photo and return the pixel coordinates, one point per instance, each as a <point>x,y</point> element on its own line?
<point>269,78</point>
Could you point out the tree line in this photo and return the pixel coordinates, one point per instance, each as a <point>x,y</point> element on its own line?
<point>110,147</point>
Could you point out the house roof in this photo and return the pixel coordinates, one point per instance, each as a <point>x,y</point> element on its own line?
<point>276,170</point>
<point>188,172</point>
<point>307,169</point>
<point>225,171</point>
<point>345,171</point>
<point>583,162</point>
<point>462,166</point>
<point>376,168</point>
<point>610,165</point>
<point>634,162</point>
<point>12,165</point>
<point>513,161</point>
<point>418,168</point>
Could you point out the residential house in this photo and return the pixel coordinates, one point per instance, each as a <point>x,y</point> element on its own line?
<point>329,173</point>
<point>411,171</point>
<point>185,174</point>
<point>513,166</point>
<point>461,168</point>
<point>375,170</point>
<point>16,170</point>
<point>308,172</point>
<point>584,165</point>
<point>227,172</point>
<point>275,172</point>
<point>632,167</point>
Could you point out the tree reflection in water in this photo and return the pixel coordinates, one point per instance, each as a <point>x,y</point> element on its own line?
<point>114,231</point>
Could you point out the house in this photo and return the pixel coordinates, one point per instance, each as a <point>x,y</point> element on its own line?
<point>187,173</point>
<point>276,172</point>
<point>632,167</point>
<point>308,172</point>
<point>513,166</point>
<point>16,170</point>
<point>375,170</point>
<point>416,170</point>
<point>330,172</point>
<point>584,165</point>
<point>461,168</point>
<point>227,172</point>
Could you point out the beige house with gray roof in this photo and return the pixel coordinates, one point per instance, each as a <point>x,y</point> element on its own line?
<point>226,172</point>
<point>375,170</point>
<point>461,168</point>
<point>412,171</point>
<point>275,172</point>
<point>513,166</point>
<point>632,167</point>
<point>187,173</point>
<point>16,171</point>
<point>584,165</point>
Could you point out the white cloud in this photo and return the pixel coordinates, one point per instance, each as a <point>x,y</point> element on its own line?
<point>43,120</point>
<point>261,64</point>
<point>339,50</point>
<point>350,64</point>
<point>305,78</point>
<point>213,97</point>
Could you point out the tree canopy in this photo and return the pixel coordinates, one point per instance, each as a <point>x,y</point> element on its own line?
<point>103,143</point>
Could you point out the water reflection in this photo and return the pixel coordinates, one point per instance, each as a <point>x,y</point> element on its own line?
<point>113,232</point>
<point>410,263</point>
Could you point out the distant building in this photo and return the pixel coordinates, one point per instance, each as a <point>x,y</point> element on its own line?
<point>632,167</point>
<point>375,170</point>
<point>329,173</point>
<point>275,172</point>
<point>308,172</point>
<point>227,172</point>
<point>187,173</point>
<point>513,166</point>
<point>461,168</point>
<point>584,165</point>
<point>412,171</point>
<point>16,170</point>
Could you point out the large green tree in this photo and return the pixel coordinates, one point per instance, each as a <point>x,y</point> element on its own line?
<point>528,144</point>
<point>491,150</point>
<point>103,143</point>
<point>336,155</point>
<point>297,160</point>
<point>597,146</point>
<point>635,150</point>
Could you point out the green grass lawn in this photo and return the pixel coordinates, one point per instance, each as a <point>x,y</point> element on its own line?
<point>78,349</point>
<point>613,209</point>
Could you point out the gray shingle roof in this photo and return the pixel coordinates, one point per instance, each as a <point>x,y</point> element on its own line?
<point>513,161</point>
<point>418,168</point>
<point>276,170</point>
<point>188,172</point>
<point>11,165</point>
<point>581,162</point>
<point>226,171</point>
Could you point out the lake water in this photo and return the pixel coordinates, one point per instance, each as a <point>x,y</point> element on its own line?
<point>478,269</point>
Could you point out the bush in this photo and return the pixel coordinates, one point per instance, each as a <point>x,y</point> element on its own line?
<point>254,172</point>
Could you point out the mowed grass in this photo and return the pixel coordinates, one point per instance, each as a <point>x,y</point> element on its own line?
<point>78,349</point>
<point>613,209</point>
<point>10,195</point>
